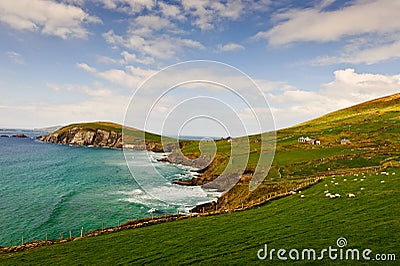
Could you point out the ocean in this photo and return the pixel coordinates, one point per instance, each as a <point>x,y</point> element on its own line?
<point>54,189</point>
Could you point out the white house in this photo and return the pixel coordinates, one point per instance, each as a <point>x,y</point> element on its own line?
<point>345,141</point>
<point>309,140</point>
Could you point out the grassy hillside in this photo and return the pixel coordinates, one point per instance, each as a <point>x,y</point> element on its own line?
<point>369,168</point>
<point>372,127</point>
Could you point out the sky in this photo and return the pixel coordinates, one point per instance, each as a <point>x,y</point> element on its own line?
<point>70,61</point>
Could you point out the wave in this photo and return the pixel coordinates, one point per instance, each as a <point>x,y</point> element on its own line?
<point>57,208</point>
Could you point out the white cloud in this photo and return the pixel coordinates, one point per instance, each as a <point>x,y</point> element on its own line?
<point>86,67</point>
<point>78,103</point>
<point>292,106</point>
<point>171,11</point>
<point>315,24</point>
<point>128,6</point>
<point>47,17</point>
<point>152,38</point>
<point>127,58</point>
<point>361,87</point>
<point>206,13</point>
<point>230,47</point>
<point>132,58</point>
<point>357,55</point>
<point>15,57</point>
<point>49,114</point>
<point>158,33</point>
<point>96,90</point>
<point>148,25</point>
<point>130,77</point>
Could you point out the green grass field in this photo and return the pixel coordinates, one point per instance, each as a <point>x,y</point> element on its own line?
<point>370,220</point>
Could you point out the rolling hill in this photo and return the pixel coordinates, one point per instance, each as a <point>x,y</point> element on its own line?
<point>372,129</point>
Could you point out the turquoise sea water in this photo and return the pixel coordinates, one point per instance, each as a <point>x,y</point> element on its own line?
<point>55,188</point>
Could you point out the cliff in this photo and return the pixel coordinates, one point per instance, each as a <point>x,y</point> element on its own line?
<point>104,134</point>
<point>81,136</point>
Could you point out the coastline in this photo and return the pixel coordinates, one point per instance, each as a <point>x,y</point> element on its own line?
<point>193,167</point>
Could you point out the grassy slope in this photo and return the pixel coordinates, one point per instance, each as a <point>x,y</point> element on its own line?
<point>373,127</point>
<point>370,220</point>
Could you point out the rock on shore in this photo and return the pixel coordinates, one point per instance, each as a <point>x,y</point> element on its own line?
<point>19,136</point>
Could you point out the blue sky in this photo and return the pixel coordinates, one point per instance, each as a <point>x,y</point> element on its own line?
<point>75,60</point>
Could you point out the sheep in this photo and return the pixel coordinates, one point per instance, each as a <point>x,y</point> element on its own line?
<point>293,192</point>
<point>362,179</point>
<point>363,188</point>
<point>302,196</point>
<point>345,180</point>
<point>328,194</point>
<point>326,185</point>
<point>383,181</point>
<point>393,173</point>
<point>351,195</point>
<point>332,196</point>
<point>326,191</point>
<point>299,191</point>
<point>337,195</point>
<point>355,179</point>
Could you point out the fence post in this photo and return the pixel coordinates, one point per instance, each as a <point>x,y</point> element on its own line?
<point>60,235</point>
<point>70,235</point>
<point>47,236</point>
<point>82,231</point>
<point>22,240</point>
<point>102,226</point>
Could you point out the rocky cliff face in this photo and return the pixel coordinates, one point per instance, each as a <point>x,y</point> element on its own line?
<point>200,163</point>
<point>86,137</point>
<point>80,136</point>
